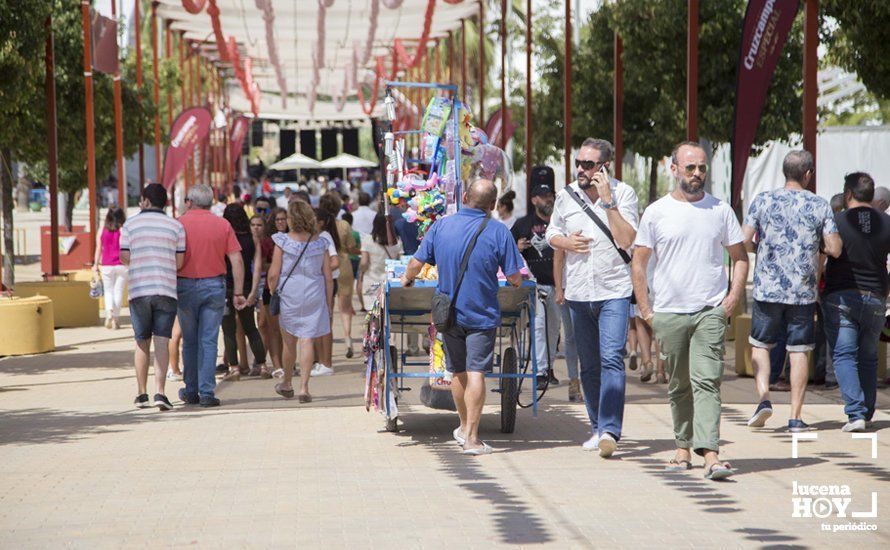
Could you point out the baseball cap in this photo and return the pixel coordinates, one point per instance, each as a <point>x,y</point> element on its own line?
<point>541,189</point>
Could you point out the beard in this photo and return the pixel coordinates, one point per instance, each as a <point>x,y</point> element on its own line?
<point>545,209</point>
<point>584,182</point>
<point>692,186</point>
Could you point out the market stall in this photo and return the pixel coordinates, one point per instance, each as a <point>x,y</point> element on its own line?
<point>425,170</point>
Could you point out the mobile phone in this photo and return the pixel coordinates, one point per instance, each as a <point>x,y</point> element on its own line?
<point>604,170</point>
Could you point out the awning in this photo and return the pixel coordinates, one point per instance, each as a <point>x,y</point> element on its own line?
<point>345,160</point>
<point>297,161</point>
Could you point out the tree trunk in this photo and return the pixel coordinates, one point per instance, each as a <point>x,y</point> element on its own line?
<point>653,180</point>
<point>6,215</point>
<point>69,211</point>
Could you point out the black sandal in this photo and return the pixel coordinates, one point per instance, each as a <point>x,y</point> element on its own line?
<point>678,465</point>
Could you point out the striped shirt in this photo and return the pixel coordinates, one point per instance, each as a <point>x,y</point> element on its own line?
<point>153,239</point>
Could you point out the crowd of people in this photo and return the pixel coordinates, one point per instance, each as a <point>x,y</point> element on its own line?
<point>610,280</point>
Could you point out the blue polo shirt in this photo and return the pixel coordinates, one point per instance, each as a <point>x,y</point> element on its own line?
<point>444,246</point>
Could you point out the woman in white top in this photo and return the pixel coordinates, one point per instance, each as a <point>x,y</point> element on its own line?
<point>505,209</point>
<point>327,231</point>
<point>375,252</point>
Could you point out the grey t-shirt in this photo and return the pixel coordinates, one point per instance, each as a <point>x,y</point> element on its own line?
<point>790,225</point>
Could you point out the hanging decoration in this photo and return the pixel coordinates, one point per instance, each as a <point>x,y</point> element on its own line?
<point>269,19</point>
<point>244,74</point>
<point>406,60</point>
<point>213,12</point>
<point>194,7</point>
<point>393,4</point>
<point>318,54</point>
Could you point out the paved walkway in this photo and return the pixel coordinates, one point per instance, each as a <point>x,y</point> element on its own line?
<point>82,468</point>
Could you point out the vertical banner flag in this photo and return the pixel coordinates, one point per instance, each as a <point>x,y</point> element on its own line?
<point>236,140</point>
<point>189,129</point>
<point>104,41</point>
<point>498,123</point>
<point>767,23</point>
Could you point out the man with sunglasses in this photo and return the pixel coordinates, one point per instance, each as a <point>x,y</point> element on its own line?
<point>688,231</point>
<point>594,221</point>
<point>789,223</point>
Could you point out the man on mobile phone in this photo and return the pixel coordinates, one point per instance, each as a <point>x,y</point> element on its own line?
<point>595,222</point>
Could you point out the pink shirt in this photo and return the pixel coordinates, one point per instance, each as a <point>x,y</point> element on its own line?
<point>111,247</point>
<point>208,240</point>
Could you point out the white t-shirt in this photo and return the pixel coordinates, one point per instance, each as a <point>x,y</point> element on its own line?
<point>687,242</point>
<point>363,219</point>
<point>375,274</point>
<point>332,251</point>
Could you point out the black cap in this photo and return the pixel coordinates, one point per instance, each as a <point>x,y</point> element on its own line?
<point>541,189</point>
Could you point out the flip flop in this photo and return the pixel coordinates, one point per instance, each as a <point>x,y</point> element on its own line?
<point>678,465</point>
<point>305,398</point>
<point>484,450</point>
<point>287,394</point>
<point>457,437</point>
<point>718,471</point>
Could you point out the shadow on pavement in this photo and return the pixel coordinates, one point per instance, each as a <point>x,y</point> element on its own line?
<point>53,362</point>
<point>38,426</point>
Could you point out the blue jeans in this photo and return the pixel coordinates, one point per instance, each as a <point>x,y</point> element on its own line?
<point>202,303</point>
<point>600,336</point>
<point>853,323</point>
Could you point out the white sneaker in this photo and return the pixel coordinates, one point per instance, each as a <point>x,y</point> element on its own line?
<point>607,445</point>
<point>173,377</point>
<point>591,444</point>
<point>321,370</point>
<point>854,426</point>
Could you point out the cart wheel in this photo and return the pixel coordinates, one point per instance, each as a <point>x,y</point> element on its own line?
<point>508,392</point>
<point>392,424</point>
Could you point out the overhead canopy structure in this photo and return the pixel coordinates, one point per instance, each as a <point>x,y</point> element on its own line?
<point>309,57</point>
<point>345,160</point>
<point>297,161</point>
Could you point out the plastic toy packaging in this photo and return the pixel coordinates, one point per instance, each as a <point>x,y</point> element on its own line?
<point>432,151</point>
<point>435,117</point>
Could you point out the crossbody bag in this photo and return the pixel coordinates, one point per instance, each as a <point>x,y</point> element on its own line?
<point>599,223</point>
<point>275,300</point>
<point>443,306</point>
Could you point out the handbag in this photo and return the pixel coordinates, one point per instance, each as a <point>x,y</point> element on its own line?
<point>97,289</point>
<point>442,305</point>
<point>599,223</point>
<point>275,299</point>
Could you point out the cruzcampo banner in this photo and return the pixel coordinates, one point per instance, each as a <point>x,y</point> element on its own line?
<point>239,132</point>
<point>189,129</point>
<point>767,23</point>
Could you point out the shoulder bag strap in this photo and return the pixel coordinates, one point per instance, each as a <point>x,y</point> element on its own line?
<point>599,223</point>
<point>293,267</point>
<point>466,259</point>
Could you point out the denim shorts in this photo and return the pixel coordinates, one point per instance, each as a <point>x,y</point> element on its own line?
<point>797,321</point>
<point>152,316</point>
<point>469,350</point>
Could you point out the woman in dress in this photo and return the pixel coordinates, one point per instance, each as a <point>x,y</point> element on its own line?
<point>375,252</point>
<point>301,273</point>
<point>108,265</point>
<point>332,202</point>
<point>237,218</point>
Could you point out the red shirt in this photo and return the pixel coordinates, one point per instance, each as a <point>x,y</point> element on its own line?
<point>208,239</point>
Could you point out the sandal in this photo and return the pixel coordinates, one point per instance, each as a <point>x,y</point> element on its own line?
<point>287,394</point>
<point>661,378</point>
<point>304,397</point>
<point>678,465</point>
<point>264,373</point>
<point>647,372</point>
<point>718,471</point>
<point>234,375</point>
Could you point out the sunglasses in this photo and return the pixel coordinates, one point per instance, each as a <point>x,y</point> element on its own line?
<point>587,164</point>
<point>263,210</point>
<point>690,169</point>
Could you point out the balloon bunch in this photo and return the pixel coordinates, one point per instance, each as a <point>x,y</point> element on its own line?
<point>421,198</point>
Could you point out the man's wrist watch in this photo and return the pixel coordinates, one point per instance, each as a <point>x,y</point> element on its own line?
<point>609,205</point>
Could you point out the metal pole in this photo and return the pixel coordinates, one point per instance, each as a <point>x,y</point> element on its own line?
<point>481,51</point>
<point>450,57</point>
<point>88,115</point>
<point>810,85</point>
<point>463,57</point>
<point>567,93</point>
<point>168,54</point>
<point>528,99</point>
<point>503,133</point>
<point>52,139</point>
<point>138,25</point>
<point>119,125</point>
<point>183,100</point>
<point>157,89</point>
<point>692,71</point>
<point>618,107</point>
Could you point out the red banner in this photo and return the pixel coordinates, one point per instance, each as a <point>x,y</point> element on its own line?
<point>104,40</point>
<point>236,139</point>
<point>497,124</point>
<point>767,23</point>
<point>189,129</point>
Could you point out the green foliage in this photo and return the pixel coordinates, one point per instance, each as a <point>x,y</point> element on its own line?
<point>857,42</point>
<point>654,41</point>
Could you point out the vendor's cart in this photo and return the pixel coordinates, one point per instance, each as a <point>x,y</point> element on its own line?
<point>407,311</point>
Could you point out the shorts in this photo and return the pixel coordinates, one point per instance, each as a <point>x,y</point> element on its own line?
<point>336,287</point>
<point>152,316</point>
<point>267,296</point>
<point>355,263</point>
<point>797,321</point>
<point>469,350</point>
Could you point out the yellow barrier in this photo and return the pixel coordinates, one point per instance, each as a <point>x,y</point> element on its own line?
<point>26,325</point>
<point>72,305</point>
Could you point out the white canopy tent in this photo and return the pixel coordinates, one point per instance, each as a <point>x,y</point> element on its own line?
<point>297,161</point>
<point>346,27</point>
<point>347,161</point>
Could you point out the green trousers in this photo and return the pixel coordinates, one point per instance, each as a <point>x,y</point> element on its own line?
<point>692,346</point>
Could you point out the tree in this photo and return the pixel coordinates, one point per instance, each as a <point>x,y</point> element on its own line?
<point>654,38</point>
<point>857,41</point>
